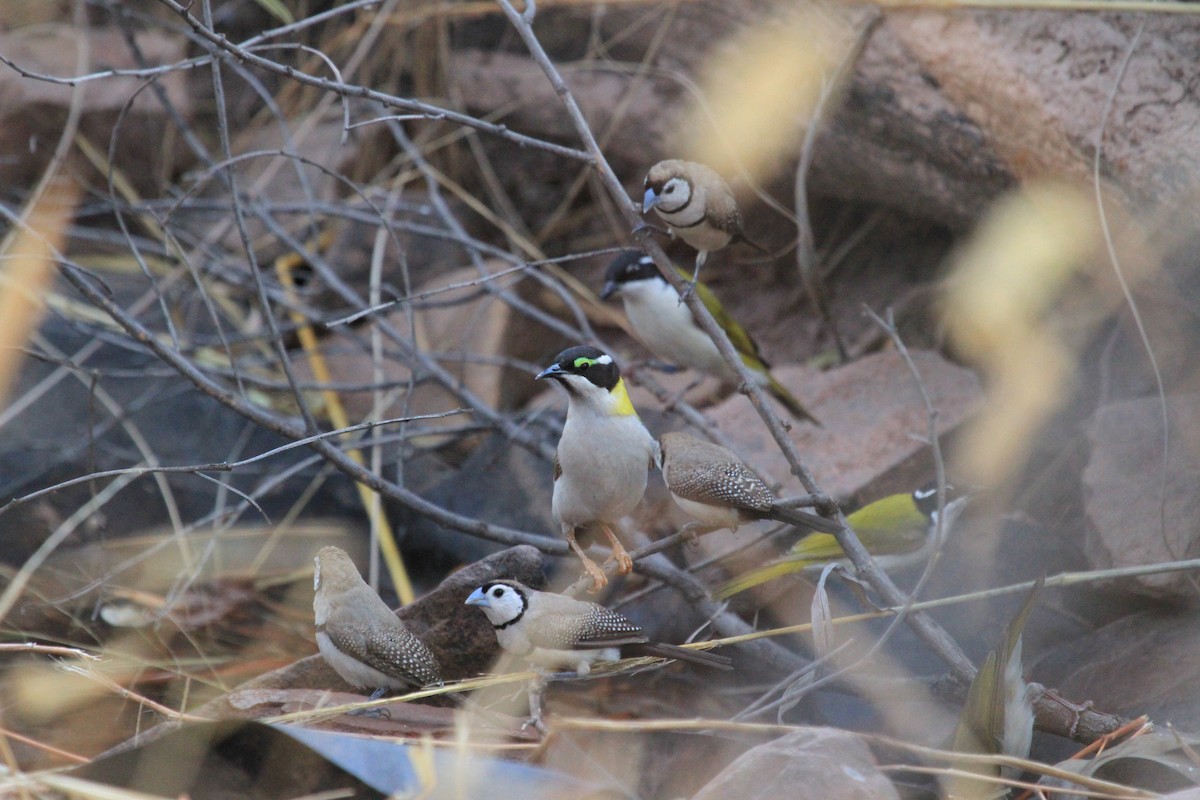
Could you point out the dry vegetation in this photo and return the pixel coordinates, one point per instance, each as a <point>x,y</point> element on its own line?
<point>278,273</point>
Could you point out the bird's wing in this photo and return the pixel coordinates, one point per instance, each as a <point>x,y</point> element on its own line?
<point>393,650</point>
<point>816,547</point>
<point>989,723</point>
<point>890,525</point>
<point>721,210</point>
<point>720,484</point>
<point>824,546</point>
<point>347,635</point>
<point>812,549</point>
<point>584,626</point>
<point>399,653</point>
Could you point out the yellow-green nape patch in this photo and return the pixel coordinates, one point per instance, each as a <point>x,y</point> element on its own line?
<point>622,405</point>
<point>584,361</point>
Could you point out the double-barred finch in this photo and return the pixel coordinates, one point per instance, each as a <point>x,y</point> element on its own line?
<point>697,205</point>
<point>359,636</point>
<point>669,330</point>
<point>997,717</point>
<point>553,631</point>
<point>603,456</point>
<point>898,531</point>
<point>712,485</point>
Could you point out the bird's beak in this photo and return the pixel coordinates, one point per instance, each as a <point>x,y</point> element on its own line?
<point>649,200</point>
<point>478,598</point>
<point>548,372</point>
<point>610,288</point>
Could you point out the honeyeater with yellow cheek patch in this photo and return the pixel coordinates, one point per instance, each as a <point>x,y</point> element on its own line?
<point>669,330</point>
<point>899,530</point>
<point>604,453</point>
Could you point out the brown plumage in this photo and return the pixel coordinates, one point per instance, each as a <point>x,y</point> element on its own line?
<point>712,485</point>
<point>359,636</point>
<point>697,205</point>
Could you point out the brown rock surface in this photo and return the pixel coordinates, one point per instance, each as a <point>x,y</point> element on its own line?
<point>1138,513</point>
<point>814,762</point>
<point>1144,663</point>
<point>871,414</point>
<point>927,125</point>
<point>33,112</point>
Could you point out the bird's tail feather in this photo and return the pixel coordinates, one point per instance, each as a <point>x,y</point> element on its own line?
<point>758,576</point>
<point>702,657</point>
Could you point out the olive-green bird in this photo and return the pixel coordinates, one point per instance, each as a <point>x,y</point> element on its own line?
<point>898,530</point>
<point>997,718</point>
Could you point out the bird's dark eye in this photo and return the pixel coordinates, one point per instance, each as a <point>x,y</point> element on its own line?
<point>498,592</point>
<point>669,190</point>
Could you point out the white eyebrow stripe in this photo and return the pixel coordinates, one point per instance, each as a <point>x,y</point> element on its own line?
<point>604,359</point>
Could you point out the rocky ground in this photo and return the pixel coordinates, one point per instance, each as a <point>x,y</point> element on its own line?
<point>233,247</point>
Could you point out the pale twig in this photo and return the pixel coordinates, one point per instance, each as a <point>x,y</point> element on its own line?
<point>806,251</point>
<point>8,733</point>
<point>931,416</point>
<point>265,419</point>
<point>1127,293</point>
<point>217,41</point>
<point>220,466</point>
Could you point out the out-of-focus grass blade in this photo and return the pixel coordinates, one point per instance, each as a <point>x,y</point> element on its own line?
<point>761,88</point>
<point>822,615</point>
<point>1009,274</point>
<point>278,10</point>
<point>26,270</point>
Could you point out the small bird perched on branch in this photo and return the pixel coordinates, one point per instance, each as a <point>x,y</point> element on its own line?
<point>997,717</point>
<point>897,530</point>
<point>359,636</point>
<point>713,485</point>
<point>603,455</point>
<point>669,330</point>
<point>697,205</point>
<point>553,631</point>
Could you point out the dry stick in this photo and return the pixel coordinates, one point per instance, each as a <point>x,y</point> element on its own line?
<point>410,353</point>
<point>806,251</point>
<point>789,693</point>
<point>729,623</point>
<point>258,415</point>
<point>452,223</point>
<point>351,90</point>
<point>928,630</point>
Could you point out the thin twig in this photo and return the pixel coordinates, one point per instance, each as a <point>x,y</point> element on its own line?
<point>218,41</point>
